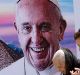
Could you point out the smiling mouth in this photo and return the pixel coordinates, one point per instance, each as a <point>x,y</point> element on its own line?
<point>36,49</point>
<point>39,56</point>
<point>38,52</point>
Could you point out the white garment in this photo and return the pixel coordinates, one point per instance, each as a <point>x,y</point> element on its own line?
<point>17,68</point>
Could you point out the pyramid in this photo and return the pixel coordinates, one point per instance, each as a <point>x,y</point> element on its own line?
<point>7,55</point>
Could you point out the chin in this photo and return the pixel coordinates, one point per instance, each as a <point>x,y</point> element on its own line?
<point>41,65</point>
<point>39,59</point>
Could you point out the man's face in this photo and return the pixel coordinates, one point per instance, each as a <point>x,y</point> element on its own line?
<point>78,41</point>
<point>38,32</point>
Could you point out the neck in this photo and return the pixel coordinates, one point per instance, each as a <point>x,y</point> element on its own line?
<point>30,70</point>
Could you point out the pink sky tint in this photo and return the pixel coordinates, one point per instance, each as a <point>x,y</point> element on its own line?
<point>6,18</point>
<point>7,11</point>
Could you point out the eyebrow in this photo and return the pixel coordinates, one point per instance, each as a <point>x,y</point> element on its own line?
<point>25,23</point>
<point>18,1</point>
<point>46,23</point>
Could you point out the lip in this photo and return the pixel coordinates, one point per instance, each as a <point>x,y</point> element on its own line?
<point>44,46</point>
<point>38,52</point>
<point>38,49</point>
<point>39,59</point>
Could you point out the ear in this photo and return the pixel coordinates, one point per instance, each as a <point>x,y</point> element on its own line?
<point>63,25</point>
<point>16,27</point>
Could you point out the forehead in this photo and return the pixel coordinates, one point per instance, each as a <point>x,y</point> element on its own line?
<point>33,10</point>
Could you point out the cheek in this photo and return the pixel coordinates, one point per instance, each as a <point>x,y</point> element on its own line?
<point>51,37</point>
<point>23,40</point>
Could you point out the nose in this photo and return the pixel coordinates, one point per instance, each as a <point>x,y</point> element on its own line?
<point>36,36</point>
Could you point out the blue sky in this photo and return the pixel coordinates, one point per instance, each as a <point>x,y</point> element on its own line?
<point>66,5</point>
<point>7,1</point>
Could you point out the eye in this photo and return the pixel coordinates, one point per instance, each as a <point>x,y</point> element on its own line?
<point>45,27</point>
<point>26,29</point>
